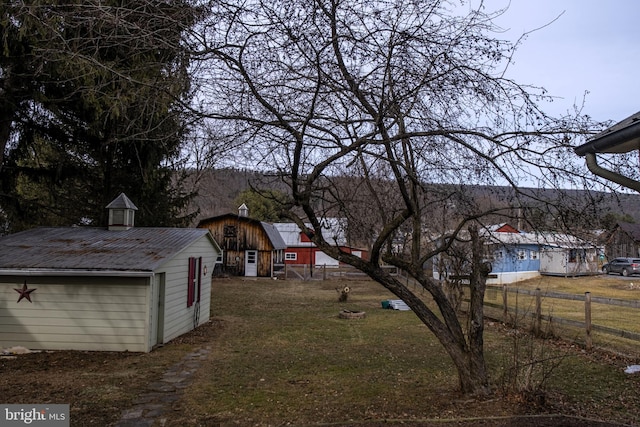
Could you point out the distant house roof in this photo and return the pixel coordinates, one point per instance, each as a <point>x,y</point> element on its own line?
<point>94,249</point>
<point>272,234</point>
<point>632,230</point>
<point>501,235</point>
<point>290,233</point>
<point>502,228</point>
<point>332,229</point>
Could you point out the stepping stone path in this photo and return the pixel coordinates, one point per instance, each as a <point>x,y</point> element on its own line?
<point>150,406</point>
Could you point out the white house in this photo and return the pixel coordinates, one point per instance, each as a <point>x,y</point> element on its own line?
<point>119,288</point>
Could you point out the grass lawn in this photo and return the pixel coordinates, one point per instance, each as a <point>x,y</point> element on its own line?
<point>283,356</point>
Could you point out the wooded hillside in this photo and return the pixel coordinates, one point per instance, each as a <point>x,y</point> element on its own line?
<point>218,189</point>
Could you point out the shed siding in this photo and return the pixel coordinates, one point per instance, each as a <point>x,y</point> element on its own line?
<point>556,261</point>
<point>178,318</point>
<point>75,313</point>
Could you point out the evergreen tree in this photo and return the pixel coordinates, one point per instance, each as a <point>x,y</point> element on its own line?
<point>91,107</point>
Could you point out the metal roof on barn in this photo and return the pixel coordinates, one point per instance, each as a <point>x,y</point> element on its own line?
<point>94,249</point>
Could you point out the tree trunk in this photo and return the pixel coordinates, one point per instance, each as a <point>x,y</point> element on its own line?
<point>7,115</point>
<point>467,355</point>
<point>477,284</point>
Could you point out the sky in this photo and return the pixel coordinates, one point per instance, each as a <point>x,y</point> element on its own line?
<point>593,46</point>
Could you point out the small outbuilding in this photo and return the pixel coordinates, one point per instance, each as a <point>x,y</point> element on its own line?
<point>119,288</point>
<point>250,247</point>
<point>568,256</point>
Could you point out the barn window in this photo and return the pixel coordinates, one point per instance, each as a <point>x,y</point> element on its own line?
<point>230,231</point>
<point>290,256</point>
<point>194,282</point>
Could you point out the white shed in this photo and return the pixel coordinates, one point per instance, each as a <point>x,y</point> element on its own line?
<point>114,289</point>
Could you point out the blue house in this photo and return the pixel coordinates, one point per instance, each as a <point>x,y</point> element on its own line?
<point>515,255</point>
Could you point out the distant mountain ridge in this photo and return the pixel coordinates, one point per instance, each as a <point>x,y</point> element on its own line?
<point>218,189</point>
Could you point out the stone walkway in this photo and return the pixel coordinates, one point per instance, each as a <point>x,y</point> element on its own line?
<point>150,407</point>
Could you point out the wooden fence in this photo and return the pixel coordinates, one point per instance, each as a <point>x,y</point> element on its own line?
<point>512,311</point>
<point>319,272</point>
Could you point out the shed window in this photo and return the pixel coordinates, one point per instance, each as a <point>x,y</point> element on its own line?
<point>522,255</point>
<point>194,282</point>
<point>533,255</point>
<point>577,255</point>
<point>290,256</point>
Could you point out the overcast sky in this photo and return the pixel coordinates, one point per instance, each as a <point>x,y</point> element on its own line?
<point>593,46</point>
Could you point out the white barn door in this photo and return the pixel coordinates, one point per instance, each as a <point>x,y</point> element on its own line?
<point>251,263</point>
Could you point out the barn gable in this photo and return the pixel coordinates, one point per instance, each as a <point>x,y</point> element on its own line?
<point>250,247</point>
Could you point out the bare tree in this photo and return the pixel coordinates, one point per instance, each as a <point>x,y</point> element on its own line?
<point>401,96</point>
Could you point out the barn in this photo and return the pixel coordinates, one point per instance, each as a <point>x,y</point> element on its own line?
<point>118,288</point>
<point>250,247</point>
<point>302,251</point>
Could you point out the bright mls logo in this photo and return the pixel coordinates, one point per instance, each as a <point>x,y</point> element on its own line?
<point>34,415</point>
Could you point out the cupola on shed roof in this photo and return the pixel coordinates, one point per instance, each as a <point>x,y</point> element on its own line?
<point>121,213</point>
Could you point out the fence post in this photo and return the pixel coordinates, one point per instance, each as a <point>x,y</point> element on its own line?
<point>587,319</point>
<point>505,309</point>
<point>538,318</point>
<point>285,271</point>
<point>324,272</point>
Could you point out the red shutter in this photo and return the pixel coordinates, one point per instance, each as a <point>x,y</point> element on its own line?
<point>190,287</point>
<point>199,278</point>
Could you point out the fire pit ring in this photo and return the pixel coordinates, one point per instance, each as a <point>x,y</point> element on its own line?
<point>349,314</point>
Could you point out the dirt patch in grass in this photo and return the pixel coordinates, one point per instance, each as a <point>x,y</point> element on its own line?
<point>98,386</point>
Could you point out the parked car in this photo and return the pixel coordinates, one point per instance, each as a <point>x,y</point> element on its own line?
<point>624,266</point>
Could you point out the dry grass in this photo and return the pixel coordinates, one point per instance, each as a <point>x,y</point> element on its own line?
<point>284,357</point>
<point>612,316</point>
<point>280,355</point>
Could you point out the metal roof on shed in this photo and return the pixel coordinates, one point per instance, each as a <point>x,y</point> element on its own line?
<point>94,249</point>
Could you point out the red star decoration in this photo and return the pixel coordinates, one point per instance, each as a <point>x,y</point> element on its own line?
<point>25,292</point>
